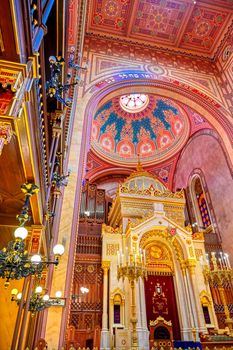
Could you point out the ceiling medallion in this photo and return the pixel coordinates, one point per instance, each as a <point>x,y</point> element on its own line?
<point>134,103</point>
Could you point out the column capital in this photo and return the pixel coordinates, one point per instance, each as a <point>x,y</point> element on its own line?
<point>105,265</point>
<point>183,266</point>
<point>191,265</point>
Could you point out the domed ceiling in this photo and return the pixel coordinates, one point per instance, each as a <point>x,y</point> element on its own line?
<point>138,124</point>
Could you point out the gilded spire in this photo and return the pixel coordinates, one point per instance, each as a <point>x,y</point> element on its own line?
<point>139,167</point>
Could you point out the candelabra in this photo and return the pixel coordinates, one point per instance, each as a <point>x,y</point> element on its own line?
<point>15,261</point>
<point>132,266</point>
<point>55,87</point>
<point>38,300</point>
<point>218,270</point>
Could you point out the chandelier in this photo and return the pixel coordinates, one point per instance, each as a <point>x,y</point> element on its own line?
<point>15,261</point>
<point>55,87</point>
<point>38,300</point>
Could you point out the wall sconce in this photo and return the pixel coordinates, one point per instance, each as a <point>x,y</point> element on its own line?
<point>55,87</point>
<point>15,262</point>
<point>76,297</point>
<point>38,300</point>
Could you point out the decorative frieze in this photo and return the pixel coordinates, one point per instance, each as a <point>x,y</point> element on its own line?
<point>112,249</point>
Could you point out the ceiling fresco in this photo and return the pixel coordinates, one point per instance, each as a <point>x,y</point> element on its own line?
<point>149,126</point>
<point>191,26</point>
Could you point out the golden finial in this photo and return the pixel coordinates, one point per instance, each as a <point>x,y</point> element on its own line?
<point>139,165</point>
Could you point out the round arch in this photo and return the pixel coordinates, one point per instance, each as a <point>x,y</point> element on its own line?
<point>200,104</point>
<point>175,243</point>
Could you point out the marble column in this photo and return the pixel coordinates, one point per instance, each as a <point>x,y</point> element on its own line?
<point>105,341</point>
<point>142,330</point>
<point>195,299</point>
<point>187,333</point>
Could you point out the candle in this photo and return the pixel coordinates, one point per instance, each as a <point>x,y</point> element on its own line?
<point>228,261</point>
<point>144,255</point>
<point>207,260</point>
<point>220,262</point>
<point>126,254</point>
<point>223,261</point>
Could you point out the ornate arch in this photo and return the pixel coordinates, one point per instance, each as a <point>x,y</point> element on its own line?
<point>199,173</point>
<point>117,292</point>
<point>150,237</point>
<point>202,104</point>
<point>205,298</point>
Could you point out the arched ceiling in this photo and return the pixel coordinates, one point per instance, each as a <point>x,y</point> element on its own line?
<point>149,126</point>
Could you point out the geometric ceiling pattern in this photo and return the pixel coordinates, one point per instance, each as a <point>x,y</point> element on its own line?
<point>104,161</point>
<point>183,25</point>
<point>149,126</point>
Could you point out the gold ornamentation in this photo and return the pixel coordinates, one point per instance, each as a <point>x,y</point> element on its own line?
<point>160,319</point>
<point>199,236</point>
<point>218,276</point>
<point>6,133</point>
<point>105,265</point>
<point>156,252</point>
<point>110,229</point>
<point>159,259</point>
<point>111,249</point>
<point>90,268</point>
<point>205,298</point>
<point>189,228</point>
<point>151,192</point>
<point>198,253</point>
<point>117,296</point>
<point>191,252</point>
<point>191,265</point>
<point>79,268</point>
<point>150,236</point>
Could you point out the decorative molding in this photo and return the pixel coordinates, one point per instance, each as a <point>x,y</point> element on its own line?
<point>6,133</point>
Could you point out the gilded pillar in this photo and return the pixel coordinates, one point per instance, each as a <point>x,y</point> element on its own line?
<point>105,341</point>
<point>105,267</point>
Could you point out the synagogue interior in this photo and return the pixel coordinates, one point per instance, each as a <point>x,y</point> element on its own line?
<point>116,162</point>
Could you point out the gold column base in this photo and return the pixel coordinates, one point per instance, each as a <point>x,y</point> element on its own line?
<point>229,324</point>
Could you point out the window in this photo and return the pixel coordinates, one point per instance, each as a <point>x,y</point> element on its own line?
<point>117,314</point>
<point>206,314</point>
<point>201,201</point>
<point>134,103</point>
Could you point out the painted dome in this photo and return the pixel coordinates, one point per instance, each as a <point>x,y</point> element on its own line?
<point>151,126</point>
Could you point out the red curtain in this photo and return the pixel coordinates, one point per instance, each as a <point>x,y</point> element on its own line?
<point>161,301</point>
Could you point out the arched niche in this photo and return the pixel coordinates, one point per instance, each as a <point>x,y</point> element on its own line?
<point>205,152</point>
<point>200,203</point>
